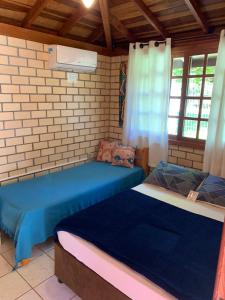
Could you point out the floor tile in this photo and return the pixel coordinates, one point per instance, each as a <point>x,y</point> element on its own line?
<point>48,245</point>
<point>51,253</point>
<point>10,255</point>
<point>37,270</point>
<point>31,295</point>
<point>12,286</point>
<point>52,290</point>
<point>5,268</point>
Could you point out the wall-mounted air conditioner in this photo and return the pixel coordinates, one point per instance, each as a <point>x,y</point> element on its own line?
<point>71,59</point>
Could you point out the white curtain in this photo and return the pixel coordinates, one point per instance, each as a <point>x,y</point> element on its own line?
<point>147,100</point>
<point>214,159</point>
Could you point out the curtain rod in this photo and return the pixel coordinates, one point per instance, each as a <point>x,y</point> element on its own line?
<point>157,43</point>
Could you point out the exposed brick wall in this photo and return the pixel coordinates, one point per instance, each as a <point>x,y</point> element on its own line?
<point>45,120</point>
<point>183,156</point>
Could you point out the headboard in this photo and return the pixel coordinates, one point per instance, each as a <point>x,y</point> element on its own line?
<point>141,159</point>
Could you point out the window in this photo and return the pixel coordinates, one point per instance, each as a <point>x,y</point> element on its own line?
<point>190,97</point>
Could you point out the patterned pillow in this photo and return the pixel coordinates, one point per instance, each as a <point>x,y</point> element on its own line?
<point>212,190</point>
<point>175,178</point>
<point>105,151</point>
<point>123,156</point>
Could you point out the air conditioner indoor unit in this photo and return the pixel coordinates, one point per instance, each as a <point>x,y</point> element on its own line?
<point>71,59</point>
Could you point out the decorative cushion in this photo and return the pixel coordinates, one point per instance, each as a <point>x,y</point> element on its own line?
<point>212,190</point>
<point>105,151</point>
<point>175,178</point>
<point>123,156</point>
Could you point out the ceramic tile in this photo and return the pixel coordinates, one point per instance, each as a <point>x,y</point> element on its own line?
<point>51,253</point>
<point>48,245</point>
<point>37,270</point>
<point>12,286</point>
<point>52,290</point>
<point>10,255</point>
<point>5,268</point>
<point>31,295</point>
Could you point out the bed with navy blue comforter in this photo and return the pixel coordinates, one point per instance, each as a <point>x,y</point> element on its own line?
<point>30,210</point>
<point>176,249</point>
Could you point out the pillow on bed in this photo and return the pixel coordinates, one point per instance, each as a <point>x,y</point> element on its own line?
<point>212,190</point>
<point>105,151</point>
<point>175,178</point>
<point>123,156</point>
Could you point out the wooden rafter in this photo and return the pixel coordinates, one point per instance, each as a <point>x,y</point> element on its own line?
<point>96,34</point>
<point>106,24</point>
<point>119,26</point>
<point>149,16</point>
<point>34,12</point>
<point>46,38</point>
<point>197,13</point>
<point>73,19</point>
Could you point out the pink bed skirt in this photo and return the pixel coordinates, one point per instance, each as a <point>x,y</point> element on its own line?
<point>219,292</point>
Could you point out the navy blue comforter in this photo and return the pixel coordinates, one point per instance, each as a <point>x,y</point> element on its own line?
<point>175,249</point>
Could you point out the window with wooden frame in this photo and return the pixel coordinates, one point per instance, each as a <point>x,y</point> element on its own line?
<point>190,98</point>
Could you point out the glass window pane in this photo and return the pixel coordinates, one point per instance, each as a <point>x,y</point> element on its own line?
<point>211,63</point>
<point>192,108</point>
<point>206,104</point>
<point>176,86</point>
<point>203,130</point>
<point>194,86</point>
<point>174,108</point>
<point>196,64</point>
<point>173,126</point>
<point>178,66</point>
<point>190,129</point>
<point>208,87</point>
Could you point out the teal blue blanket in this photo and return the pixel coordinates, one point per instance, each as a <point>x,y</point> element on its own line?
<point>30,210</point>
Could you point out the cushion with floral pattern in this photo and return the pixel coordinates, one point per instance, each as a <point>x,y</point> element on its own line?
<point>123,156</point>
<point>105,151</point>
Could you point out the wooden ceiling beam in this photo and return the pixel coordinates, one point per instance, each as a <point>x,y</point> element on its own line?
<point>46,38</point>
<point>106,24</point>
<point>119,26</point>
<point>150,17</point>
<point>195,9</point>
<point>34,12</point>
<point>73,19</point>
<point>96,34</point>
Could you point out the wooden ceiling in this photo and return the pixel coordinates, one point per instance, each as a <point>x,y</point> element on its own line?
<point>115,23</point>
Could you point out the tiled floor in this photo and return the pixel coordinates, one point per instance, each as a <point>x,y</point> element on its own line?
<point>35,281</point>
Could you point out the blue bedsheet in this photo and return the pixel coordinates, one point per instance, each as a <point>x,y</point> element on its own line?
<point>175,249</point>
<point>30,210</point>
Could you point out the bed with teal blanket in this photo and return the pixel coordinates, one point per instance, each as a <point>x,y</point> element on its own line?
<point>30,210</point>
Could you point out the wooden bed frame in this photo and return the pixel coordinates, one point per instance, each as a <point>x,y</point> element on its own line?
<point>141,159</point>
<point>82,280</point>
<point>90,286</point>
